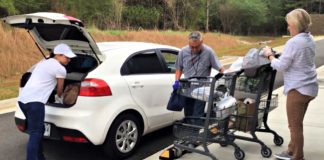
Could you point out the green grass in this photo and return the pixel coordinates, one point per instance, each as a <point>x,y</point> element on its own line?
<point>115,32</point>
<point>9,91</point>
<point>109,32</point>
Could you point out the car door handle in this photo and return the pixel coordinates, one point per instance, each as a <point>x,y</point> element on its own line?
<point>137,85</point>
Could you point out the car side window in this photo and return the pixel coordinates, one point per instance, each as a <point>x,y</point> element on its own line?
<point>143,63</point>
<point>170,58</point>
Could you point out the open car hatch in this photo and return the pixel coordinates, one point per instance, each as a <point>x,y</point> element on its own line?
<point>50,29</point>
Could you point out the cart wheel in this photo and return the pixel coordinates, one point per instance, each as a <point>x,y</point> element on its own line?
<point>223,144</point>
<point>278,140</point>
<point>177,152</point>
<point>239,154</point>
<point>266,152</point>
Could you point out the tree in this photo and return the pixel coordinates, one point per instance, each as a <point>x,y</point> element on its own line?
<point>141,17</point>
<point>207,16</point>
<point>214,22</point>
<point>227,14</point>
<point>30,6</point>
<point>118,6</point>
<point>312,6</point>
<point>276,17</point>
<point>241,16</point>
<point>173,11</point>
<point>7,8</point>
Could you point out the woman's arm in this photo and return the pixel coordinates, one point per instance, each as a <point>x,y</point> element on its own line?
<point>60,84</point>
<point>284,61</point>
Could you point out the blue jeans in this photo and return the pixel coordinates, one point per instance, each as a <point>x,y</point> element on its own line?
<point>34,113</point>
<point>194,108</point>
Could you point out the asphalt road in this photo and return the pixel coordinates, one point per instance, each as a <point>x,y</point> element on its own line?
<point>13,142</point>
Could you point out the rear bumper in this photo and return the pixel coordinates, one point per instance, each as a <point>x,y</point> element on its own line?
<point>87,117</point>
<point>56,133</point>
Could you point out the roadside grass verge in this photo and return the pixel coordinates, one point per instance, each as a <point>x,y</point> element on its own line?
<point>18,51</point>
<point>9,87</point>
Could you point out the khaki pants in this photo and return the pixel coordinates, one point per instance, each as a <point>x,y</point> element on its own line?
<point>297,104</point>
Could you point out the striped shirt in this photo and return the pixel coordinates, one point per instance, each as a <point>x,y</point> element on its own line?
<point>297,64</point>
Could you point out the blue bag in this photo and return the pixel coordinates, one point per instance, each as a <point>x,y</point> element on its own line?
<point>176,101</point>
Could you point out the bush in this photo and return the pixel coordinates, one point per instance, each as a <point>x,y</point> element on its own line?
<point>140,17</point>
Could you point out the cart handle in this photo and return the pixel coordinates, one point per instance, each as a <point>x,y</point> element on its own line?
<point>235,72</point>
<point>217,76</point>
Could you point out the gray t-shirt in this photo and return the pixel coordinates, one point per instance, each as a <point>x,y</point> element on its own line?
<point>197,64</point>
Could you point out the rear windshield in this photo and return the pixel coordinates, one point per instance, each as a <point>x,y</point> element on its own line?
<point>60,32</point>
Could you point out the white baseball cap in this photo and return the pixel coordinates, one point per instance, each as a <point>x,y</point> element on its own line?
<point>65,50</point>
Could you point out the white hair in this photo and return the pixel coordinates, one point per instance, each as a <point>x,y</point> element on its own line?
<point>300,19</point>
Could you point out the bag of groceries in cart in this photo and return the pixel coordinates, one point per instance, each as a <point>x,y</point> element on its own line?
<point>253,61</point>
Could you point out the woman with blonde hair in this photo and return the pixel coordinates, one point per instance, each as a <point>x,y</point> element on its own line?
<point>300,78</point>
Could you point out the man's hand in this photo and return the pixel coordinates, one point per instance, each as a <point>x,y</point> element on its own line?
<point>221,70</point>
<point>176,85</point>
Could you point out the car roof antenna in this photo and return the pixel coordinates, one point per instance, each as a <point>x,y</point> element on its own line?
<point>37,45</point>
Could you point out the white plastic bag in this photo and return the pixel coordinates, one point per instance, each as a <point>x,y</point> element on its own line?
<point>252,61</point>
<point>58,99</point>
<point>235,66</point>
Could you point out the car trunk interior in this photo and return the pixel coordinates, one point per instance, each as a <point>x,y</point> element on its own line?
<point>77,70</point>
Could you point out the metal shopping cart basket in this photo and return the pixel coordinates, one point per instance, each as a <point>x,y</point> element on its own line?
<point>212,128</point>
<point>252,117</point>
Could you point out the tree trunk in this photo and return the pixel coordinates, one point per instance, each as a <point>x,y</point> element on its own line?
<point>320,7</point>
<point>173,9</point>
<point>207,17</point>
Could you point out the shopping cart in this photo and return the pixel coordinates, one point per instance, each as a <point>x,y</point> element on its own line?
<point>214,126</point>
<point>252,118</point>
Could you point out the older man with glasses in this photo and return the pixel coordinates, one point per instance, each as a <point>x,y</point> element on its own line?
<point>195,60</point>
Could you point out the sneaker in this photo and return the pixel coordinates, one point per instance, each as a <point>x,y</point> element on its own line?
<point>283,155</point>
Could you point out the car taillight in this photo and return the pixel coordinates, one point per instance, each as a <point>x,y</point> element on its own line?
<point>94,87</point>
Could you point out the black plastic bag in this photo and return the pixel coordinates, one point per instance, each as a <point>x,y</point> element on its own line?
<point>176,102</point>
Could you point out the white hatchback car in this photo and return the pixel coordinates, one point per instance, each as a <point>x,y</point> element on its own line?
<point>122,87</point>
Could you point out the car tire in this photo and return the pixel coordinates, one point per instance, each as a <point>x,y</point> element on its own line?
<point>123,137</point>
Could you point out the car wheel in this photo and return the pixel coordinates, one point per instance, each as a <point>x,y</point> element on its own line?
<point>123,137</point>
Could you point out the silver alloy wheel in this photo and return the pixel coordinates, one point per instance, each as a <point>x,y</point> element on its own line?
<point>126,136</point>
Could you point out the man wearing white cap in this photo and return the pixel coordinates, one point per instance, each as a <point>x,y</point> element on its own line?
<point>32,98</point>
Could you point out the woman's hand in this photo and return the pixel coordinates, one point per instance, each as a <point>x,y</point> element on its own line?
<point>267,51</point>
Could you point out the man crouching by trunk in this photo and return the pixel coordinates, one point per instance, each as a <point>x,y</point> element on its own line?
<point>32,98</point>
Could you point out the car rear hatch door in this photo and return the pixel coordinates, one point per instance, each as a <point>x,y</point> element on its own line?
<point>50,29</point>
